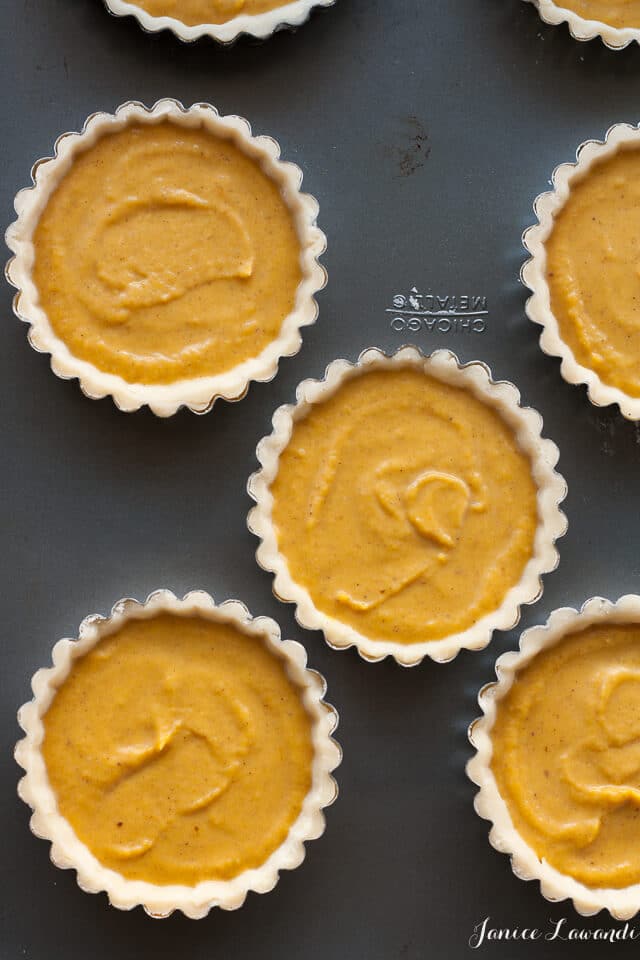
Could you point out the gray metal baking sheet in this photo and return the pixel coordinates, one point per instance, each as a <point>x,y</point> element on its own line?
<point>425,128</point>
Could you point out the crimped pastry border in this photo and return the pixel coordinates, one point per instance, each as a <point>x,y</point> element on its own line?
<point>259,25</point>
<point>622,904</point>
<point>68,852</point>
<point>198,394</point>
<point>533,273</point>
<point>616,38</point>
<point>527,424</point>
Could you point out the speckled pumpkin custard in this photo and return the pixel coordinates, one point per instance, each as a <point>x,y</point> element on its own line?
<point>178,754</point>
<point>221,20</point>
<point>583,271</point>
<point>407,505</point>
<point>558,759</point>
<point>166,257</point>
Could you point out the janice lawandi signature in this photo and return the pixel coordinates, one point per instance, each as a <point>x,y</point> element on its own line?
<point>486,932</point>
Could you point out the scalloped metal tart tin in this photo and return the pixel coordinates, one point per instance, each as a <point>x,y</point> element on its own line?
<point>616,38</point>
<point>533,274</point>
<point>68,852</point>
<point>623,902</point>
<point>261,25</point>
<point>526,425</point>
<point>199,393</point>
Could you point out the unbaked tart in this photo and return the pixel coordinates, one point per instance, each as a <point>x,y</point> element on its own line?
<point>617,13</point>
<point>558,758</point>
<point>166,257</point>
<point>616,22</point>
<point>407,505</point>
<point>221,20</point>
<point>193,12</point>
<point>584,269</point>
<point>179,752</point>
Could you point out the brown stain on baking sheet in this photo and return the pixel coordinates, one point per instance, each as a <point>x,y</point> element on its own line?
<point>411,155</point>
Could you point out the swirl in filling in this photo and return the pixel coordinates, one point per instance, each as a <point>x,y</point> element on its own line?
<point>566,755</point>
<point>179,750</point>
<point>166,253</point>
<point>404,506</point>
<point>593,270</point>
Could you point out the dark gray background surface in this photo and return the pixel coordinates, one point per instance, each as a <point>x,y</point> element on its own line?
<point>96,505</point>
